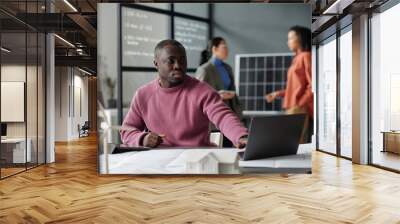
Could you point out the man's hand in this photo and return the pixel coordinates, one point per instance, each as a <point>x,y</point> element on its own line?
<point>270,97</point>
<point>242,142</point>
<point>152,140</point>
<point>226,95</point>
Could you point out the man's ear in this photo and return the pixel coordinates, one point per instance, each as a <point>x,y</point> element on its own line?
<point>155,63</point>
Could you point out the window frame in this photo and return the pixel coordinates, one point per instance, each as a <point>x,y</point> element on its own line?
<point>172,15</point>
<point>338,29</point>
<point>379,10</point>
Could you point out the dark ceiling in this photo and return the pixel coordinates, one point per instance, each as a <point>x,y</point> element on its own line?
<point>77,22</point>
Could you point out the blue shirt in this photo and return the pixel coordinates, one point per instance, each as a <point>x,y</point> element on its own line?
<point>219,64</point>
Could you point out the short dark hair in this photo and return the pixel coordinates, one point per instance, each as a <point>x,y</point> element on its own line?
<point>167,42</point>
<point>304,34</point>
<point>214,42</point>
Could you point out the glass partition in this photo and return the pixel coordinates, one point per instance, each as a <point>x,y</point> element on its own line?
<point>327,96</point>
<point>22,77</point>
<point>15,149</point>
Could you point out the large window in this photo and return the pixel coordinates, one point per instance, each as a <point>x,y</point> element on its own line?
<point>334,96</point>
<point>327,95</point>
<point>141,31</point>
<point>143,26</point>
<point>194,36</point>
<point>345,42</point>
<point>385,89</point>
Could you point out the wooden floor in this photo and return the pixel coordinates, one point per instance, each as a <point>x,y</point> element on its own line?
<point>10,171</point>
<point>70,191</point>
<point>386,159</point>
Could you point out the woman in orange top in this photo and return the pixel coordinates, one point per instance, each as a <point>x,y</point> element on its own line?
<point>298,95</point>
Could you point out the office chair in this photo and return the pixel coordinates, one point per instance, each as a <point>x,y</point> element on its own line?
<point>216,138</point>
<point>84,130</point>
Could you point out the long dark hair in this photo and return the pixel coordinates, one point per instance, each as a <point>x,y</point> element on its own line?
<point>206,54</point>
<point>304,35</point>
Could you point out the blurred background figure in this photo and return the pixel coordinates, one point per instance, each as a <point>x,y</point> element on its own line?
<point>298,95</point>
<point>219,75</point>
<point>204,57</point>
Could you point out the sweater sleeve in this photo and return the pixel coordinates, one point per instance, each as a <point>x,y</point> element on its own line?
<point>133,126</point>
<point>223,117</point>
<point>308,94</point>
<point>280,93</point>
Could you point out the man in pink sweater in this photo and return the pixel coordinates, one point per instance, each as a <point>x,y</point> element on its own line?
<point>175,109</point>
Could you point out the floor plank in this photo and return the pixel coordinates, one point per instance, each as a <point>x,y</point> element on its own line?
<point>71,191</point>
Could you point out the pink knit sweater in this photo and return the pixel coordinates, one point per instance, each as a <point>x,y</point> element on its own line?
<point>182,113</point>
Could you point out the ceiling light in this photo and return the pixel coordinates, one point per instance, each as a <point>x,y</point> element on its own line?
<point>70,5</point>
<point>65,41</point>
<point>5,50</point>
<point>84,71</point>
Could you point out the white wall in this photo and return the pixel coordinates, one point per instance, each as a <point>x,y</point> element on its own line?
<point>61,103</point>
<point>69,82</point>
<point>80,84</point>
<point>33,126</point>
<point>16,73</point>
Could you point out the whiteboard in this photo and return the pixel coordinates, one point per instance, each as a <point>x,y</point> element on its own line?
<point>12,101</point>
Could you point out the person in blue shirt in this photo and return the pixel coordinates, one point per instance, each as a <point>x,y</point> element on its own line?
<point>219,75</point>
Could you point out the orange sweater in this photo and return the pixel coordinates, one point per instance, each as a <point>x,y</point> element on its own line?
<point>298,90</point>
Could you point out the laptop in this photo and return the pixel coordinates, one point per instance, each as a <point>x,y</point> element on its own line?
<point>273,136</point>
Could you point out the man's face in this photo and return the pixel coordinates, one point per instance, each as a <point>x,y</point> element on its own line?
<point>171,64</point>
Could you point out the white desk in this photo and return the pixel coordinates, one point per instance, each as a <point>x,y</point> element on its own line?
<point>16,147</point>
<point>300,163</point>
<point>200,161</point>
